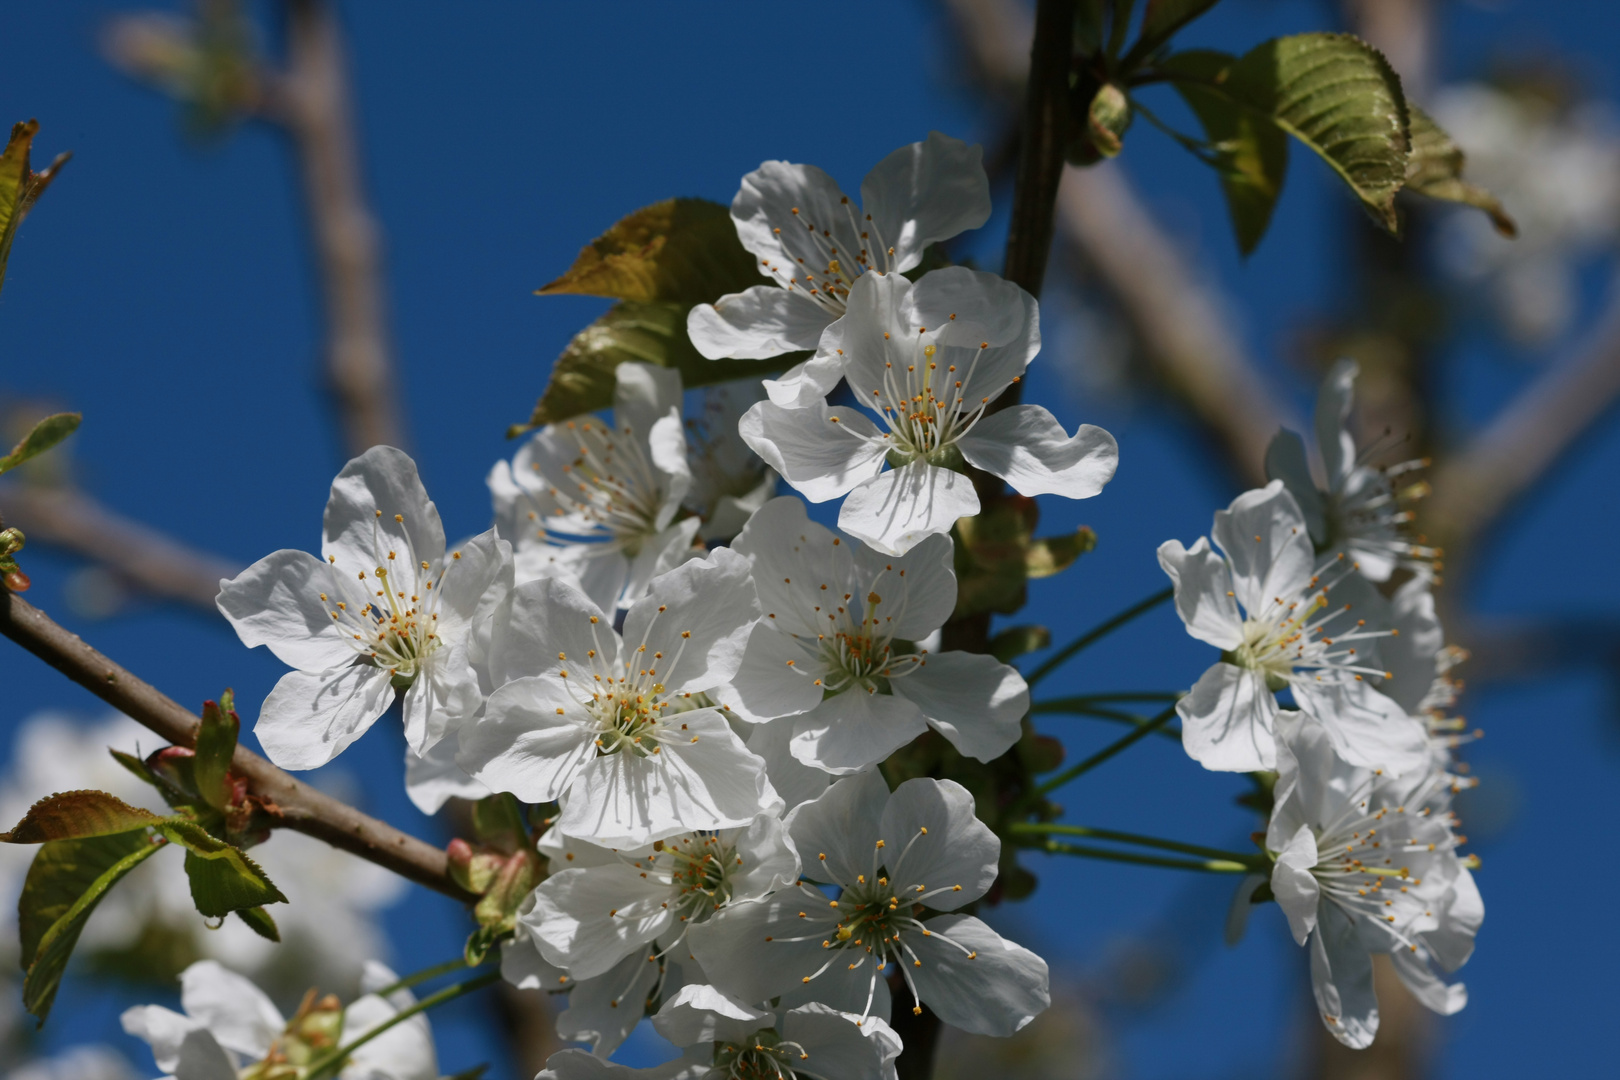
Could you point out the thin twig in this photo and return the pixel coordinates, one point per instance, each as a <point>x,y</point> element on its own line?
<point>141,556</point>
<point>296,805</point>
<point>1063,655</point>
<point>1037,828</point>
<point>1113,748</point>
<point>1217,866</point>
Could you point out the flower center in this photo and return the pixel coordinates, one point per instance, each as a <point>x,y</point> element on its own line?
<point>390,613</point>
<point>765,1055</point>
<point>858,647</point>
<point>609,494</point>
<point>626,706</point>
<point>822,260</point>
<point>1292,640</point>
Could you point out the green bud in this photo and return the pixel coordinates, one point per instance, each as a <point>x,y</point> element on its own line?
<point>11,541</point>
<point>1108,118</point>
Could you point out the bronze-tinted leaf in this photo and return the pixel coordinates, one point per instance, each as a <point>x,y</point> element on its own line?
<point>73,815</point>
<point>682,251</point>
<point>1436,167</point>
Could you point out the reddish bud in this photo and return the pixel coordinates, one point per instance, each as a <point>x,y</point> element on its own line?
<point>17,581</point>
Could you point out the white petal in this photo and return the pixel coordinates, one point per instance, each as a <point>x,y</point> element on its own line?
<point>472,583</point>
<point>969,309</point>
<point>1410,654</point>
<point>760,322</point>
<point>1464,912</point>
<point>1226,720</point>
<point>277,603</point>
<point>923,193</point>
<point>699,616</point>
<point>703,1014</point>
<point>766,859</point>
<point>443,696</point>
<point>1285,461</point>
<point>1203,592</point>
<point>1426,986</point>
<point>1333,403</point>
<point>309,719</point>
<point>753,949</point>
<point>359,527</point>
<point>579,1065</point>
<point>778,201</point>
<point>1267,544</point>
<point>834,1045</point>
<point>784,545</point>
<point>934,843</point>
<point>643,394</point>
<point>237,1012</point>
<point>837,833</point>
<point>767,685</point>
<point>524,967</point>
<point>433,779</point>
<point>1366,727</point>
<point>1342,981</point>
<point>174,1038</point>
<point>793,780</point>
<point>822,451</point>
<point>975,701</point>
<point>531,740</point>
<point>710,782</point>
<point>852,730</point>
<point>604,1010</point>
<point>1028,448</point>
<point>587,920</point>
<point>806,383</point>
<point>917,590</point>
<point>1295,886</point>
<point>999,990</point>
<point>403,1052</point>
<point>546,617</point>
<point>898,509</point>
<point>658,555</point>
<point>666,449</point>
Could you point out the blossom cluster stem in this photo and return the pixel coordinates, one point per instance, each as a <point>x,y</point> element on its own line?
<point>1212,866</point>
<point>1082,707</point>
<point>295,805</point>
<point>417,978</point>
<point>1097,633</point>
<point>1035,828</point>
<point>329,1065</point>
<point>1107,752</point>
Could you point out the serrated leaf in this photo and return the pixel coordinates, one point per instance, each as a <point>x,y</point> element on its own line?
<point>216,742</point>
<point>1249,152</point>
<point>20,186</point>
<point>74,815</point>
<point>223,879</point>
<point>1056,554</point>
<point>65,883</point>
<point>45,434</point>
<point>682,251</point>
<point>260,922</point>
<point>649,333</point>
<point>1435,169</point>
<point>1015,641</point>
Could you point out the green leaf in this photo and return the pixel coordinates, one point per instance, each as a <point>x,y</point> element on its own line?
<point>67,880</point>
<point>223,879</point>
<point>1338,96</point>
<point>481,941</point>
<point>649,333</point>
<point>1250,153</point>
<point>20,186</point>
<point>498,823</point>
<point>260,922</point>
<point>1057,553</point>
<point>684,251</point>
<point>216,742</point>
<point>1160,22</point>
<point>46,434</point>
<point>74,815</point>
<point>1435,169</point>
<point>1015,641</point>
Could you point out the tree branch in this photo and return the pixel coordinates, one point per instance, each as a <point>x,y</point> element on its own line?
<point>141,556</point>
<point>298,805</point>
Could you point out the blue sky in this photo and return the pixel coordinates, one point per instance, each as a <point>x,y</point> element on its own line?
<point>164,289</point>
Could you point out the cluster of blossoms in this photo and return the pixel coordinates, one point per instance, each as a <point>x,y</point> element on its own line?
<point>692,685</point>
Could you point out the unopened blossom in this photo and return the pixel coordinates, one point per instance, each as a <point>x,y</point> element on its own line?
<point>927,360</point>
<point>837,651</point>
<point>1367,863</point>
<point>729,481</point>
<point>1314,634</point>
<point>586,919</point>
<point>813,244</point>
<point>726,1039</point>
<point>601,721</point>
<point>901,864</point>
<point>384,609</point>
<point>599,500</point>
<point>1364,512</point>
<point>231,1029</point>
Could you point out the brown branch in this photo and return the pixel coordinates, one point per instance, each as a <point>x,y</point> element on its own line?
<point>1175,314</point>
<point>300,806</point>
<point>142,557</point>
<point>311,100</point>
<point>1043,138</point>
<point>1473,487</point>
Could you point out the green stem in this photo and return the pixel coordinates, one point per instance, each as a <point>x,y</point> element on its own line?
<point>1032,828</point>
<point>330,1064</point>
<point>423,976</point>
<point>1107,752</point>
<point>1213,866</point>
<point>1128,695</point>
<point>1070,707</point>
<point>1060,657</point>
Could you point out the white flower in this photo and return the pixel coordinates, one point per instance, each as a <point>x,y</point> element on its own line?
<point>729,481</point>
<point>885,854</point>
<point>837,648</point>
<point>586,919</point>
<point>927,360</point>
<point>1290,635</point>
<point>1421,664</point>
<point>1361,512</point>
<point>83,1062</point>
<point>229,1025</point>
<point>384,609</point>
<point>597,720</point>
<point>813,244</point>
<point>1367,863</point>
<point>598,501</point>
<point>728,1040</point>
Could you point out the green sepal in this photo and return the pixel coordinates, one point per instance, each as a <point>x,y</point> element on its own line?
<point>66,881</point>
<point>481,941</point>
<point>260,922</point>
